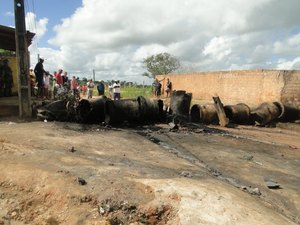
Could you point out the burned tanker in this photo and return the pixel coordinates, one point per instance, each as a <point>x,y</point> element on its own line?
<point>104,110</point>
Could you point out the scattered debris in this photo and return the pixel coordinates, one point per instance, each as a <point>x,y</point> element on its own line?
<point>186,174</point>
<point>173,126</point>
<point>248,157</point>
<point>293,147</point>
<point>272,184</point>
<point>258,163</point>
<point>81,181</point>
<point>72,149</point>
<point>252,191</point>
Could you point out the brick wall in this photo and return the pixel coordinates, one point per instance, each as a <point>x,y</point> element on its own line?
<point>248,86</point>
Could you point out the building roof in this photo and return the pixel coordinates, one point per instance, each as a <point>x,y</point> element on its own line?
<point>8,39</point>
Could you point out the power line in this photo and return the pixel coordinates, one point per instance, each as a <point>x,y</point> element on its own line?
<point>32,24</point>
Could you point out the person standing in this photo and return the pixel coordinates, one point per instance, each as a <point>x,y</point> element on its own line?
<point>46,85</point>
<point>117,90</point>
<point>101,88</point>
<point>157,87</point>
<point>32,82</point>
<point>65,77</point>
<point>6,79</point>
<point>168,87</point>
<point>110,90</point>
<point>90,86</point>
<point>74,87</point>
<point>59,79</point>
<point>39,74</point>
<point>83,90</point>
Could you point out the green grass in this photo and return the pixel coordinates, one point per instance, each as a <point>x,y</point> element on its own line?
<point>135,91</point>
<point>131,91</point>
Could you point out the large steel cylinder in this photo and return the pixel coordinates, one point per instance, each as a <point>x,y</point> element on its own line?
<point>290,114</point>
<point>180,103</point>
<point>150,109</point>
<point>267,112</point>
<point>91,110</point>
<point>119,111</point>
<point>204,114</point>
<point>239,114</point>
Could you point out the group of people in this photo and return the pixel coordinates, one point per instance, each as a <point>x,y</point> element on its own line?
<point>158,87</point>
<point>47,84</point>
<point>114,89</point>
<point>6,79</point>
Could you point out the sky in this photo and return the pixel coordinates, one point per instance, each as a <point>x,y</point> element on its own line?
<point>112,37</point>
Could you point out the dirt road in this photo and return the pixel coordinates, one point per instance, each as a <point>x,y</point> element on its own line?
<point>63,173</point>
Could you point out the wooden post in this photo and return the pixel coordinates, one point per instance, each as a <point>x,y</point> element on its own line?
<point>22,61</point>
<point>223,120</point>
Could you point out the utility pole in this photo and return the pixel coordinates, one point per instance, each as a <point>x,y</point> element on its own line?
<point>25,111</point>
<point>93,75</point>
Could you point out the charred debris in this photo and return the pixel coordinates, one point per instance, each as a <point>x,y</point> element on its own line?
<point>177,112</point>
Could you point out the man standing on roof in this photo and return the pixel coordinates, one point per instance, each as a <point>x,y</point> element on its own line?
<point>39,75</point>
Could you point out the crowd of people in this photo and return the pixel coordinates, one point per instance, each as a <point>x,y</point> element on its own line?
<point>45,85</point>
<point>48,86</point>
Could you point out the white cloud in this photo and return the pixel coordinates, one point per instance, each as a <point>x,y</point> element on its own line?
<point>219,47</point>
<point>113,36</point>
<point>289,64</point>
<point>9,14</point>
<point>39,27</point>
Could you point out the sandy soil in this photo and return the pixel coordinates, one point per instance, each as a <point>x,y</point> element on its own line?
<point>63,173</point>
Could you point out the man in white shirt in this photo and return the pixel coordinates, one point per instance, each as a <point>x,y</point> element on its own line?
<point>117,90</point>
<point>90,87</point>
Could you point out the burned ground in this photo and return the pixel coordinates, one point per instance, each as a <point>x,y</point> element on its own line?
<point>67,173</point>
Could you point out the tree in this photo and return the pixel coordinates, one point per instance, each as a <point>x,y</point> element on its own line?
<point>160,64</point>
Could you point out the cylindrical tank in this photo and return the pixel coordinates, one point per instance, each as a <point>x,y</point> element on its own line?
<point>267,112</point>
<point>239,114</point>
<point>118,111</point>
<point>204,114</point>
<point>291,114</point>
<point>180,103</point>
<point>150,109</point>
<point>91,110</point>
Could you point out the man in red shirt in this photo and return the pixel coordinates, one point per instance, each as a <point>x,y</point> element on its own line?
<point>59,79</point>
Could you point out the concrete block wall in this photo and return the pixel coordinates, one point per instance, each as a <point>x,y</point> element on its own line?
<point>247,86</point>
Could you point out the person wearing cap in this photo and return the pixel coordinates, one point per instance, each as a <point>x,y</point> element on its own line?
<point>101,88</point>
<point>6,79</point>
<point>39,74</point>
